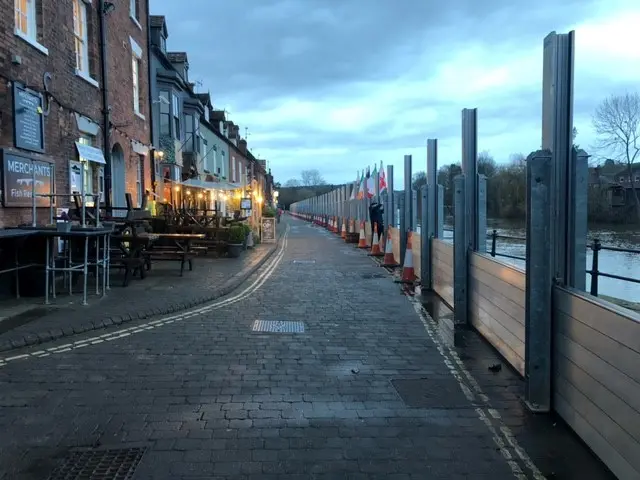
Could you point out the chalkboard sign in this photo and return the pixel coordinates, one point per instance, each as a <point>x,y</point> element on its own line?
<point>268,230</point>
<point>28,120</point>
<point>18,177</point>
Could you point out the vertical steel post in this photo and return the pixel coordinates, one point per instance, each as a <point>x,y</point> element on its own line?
<point>578,228</point>
<point>539,283</point>
<point>407,204</point>
<point>482,214</point>
<point>470,172</point>
<point>432,182</point>
<point>425,239</point>
<point>391,210</point>
<point>402,227</point>
<point>440,215</point>
<point>460,251</point>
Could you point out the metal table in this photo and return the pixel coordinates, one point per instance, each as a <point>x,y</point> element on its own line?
<point>15,236</point>
<point>86,233</point>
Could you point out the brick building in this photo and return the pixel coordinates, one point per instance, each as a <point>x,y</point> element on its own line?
<point>51,102</point>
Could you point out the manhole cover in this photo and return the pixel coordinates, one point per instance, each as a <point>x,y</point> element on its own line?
<point>374,275</point>
<point>277,326</point>
<point>303,262</point>
<point>431,393</point>
<point>99,464</point>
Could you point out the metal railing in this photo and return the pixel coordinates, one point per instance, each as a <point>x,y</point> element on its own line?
<point>595,272</point>
<point>595,246</point>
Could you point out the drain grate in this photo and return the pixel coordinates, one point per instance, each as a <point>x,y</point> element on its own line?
<point>99,464</point>
<point>303,262</point>
<point>277,326</point>
<point>374,275</point>
<point>431,393</point>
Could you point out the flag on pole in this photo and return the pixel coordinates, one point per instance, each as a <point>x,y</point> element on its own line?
<point>362,187</point>
<point>354,188</point>
<point>383,179</point>
<point>371,183</point>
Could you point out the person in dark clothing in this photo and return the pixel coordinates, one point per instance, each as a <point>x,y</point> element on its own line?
<point>376,215</point>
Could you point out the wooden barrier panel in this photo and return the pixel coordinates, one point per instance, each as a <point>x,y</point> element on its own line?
<point>395,238</point>
<point>497,306</point>
<point>442,270</point>
<point>415,248</point>
<point>596,377</point>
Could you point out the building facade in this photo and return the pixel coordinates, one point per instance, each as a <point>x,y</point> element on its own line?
<point>54,135</point>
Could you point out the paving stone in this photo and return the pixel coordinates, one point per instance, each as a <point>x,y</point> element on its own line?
<point>212,399</point>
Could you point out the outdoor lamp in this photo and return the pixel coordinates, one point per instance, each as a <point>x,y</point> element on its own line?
<point>200,195</point>
<point>188,192</point>
<point>159,154</point>
<point>177,188</point>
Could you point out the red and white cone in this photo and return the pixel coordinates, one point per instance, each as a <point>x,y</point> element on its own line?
<point>362,242</point>
<point>389,260</point>
<point>343,233</point>
<point>375,243</point>
<point>408,273</point>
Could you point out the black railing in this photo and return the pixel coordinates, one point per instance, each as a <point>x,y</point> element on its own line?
<point>595,246</point>
<point>595,271</point>
<point>494,238</point>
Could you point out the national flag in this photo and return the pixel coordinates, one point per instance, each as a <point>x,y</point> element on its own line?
<point>371,183</point>
<point>383,179</point>
<point>354,188</point>
<point>362,188</point>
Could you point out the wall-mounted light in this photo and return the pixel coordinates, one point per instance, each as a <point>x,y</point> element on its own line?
<point>158,154</point>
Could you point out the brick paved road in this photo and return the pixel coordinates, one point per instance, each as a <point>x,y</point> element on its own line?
<point>213,399</point>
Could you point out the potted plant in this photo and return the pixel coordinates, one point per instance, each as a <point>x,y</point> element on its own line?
<point>246,229</point>
<point>236,239</point>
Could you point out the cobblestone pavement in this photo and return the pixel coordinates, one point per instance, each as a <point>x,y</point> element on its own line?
<point>212,398</point>
<point>162,291</point>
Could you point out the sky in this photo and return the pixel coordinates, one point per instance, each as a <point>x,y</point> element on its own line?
<point>341,85</point>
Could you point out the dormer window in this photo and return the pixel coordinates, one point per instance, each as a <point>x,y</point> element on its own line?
<point>163,44</point>
<point>186,72</point>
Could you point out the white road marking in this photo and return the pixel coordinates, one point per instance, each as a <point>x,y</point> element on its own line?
<point>125,332</point>
<point>502,435</point>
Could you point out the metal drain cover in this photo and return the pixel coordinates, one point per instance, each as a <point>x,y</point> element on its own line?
<point>374,275</point>
<point>303,262</point>
<point>431,393</point>
<point>277,326</point>
<point>99,464</point>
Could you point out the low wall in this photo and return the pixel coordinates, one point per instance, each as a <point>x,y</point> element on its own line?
<point>596,377</point>
<point>442,270</point>
<point>497,306</point>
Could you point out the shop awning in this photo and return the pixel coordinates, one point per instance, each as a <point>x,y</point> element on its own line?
<point>90,154</point>
<point>197,183</point>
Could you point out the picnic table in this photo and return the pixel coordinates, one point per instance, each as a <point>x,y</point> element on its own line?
<point>128,253</point>
<point>173,246</point>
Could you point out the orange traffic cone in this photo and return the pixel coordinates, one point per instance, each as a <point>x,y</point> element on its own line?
<point>389,260</point>
<point>362,242</point>
<point>343,233</point>
<point>408,273</point>
<point>375,243</point>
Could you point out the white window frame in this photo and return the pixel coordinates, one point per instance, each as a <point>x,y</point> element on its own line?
<point>88,170</point>
<point>81,41</point>
<point>139,192</point>
<point>30,35</point>
<point>136,64</point>
<point>133,13</point>
<point>233,169</point>
<point>175,111</point>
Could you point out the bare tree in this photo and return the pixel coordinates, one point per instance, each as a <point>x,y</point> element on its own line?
<point>292,182</point>
<point>617,124</point>
<point>486,164</point>
<point>311,178</point>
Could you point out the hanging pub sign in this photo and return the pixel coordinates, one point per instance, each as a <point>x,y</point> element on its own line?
<point>28,119</point>
<point>21,176</point>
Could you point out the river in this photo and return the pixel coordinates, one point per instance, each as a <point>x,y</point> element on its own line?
<point>617,263</point>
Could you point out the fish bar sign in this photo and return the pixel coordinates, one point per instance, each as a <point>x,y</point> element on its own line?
<point>21,176</point>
